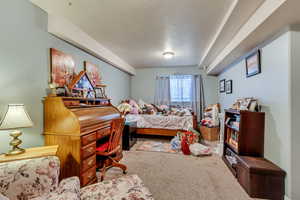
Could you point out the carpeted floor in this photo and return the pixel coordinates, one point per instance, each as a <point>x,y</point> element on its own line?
<point>179,177</point>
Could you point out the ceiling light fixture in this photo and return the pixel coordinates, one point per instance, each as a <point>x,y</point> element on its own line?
<point>168,55</point>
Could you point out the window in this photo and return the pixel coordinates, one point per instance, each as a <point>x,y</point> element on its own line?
<point>181,88</point>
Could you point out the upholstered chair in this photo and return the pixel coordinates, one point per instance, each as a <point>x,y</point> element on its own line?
<point>38,179</point>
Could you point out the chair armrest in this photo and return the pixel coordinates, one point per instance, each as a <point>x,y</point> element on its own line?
<point>69,184</point>
<point>126,187</point>
<point>68,189</point>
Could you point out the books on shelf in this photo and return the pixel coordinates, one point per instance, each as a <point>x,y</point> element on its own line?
<point>233,122</point>
<point>231,159</point>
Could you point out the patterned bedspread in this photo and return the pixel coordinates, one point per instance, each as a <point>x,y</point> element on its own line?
<point>159,121</point>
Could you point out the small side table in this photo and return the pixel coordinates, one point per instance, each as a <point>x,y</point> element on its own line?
<point>129,135</point>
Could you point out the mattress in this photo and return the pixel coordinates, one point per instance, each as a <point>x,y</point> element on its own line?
<point>172,122</point>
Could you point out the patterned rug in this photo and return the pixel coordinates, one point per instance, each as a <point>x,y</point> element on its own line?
<point>155,146</point>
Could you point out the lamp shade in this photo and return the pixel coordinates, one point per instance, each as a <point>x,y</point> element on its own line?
<point>16,116</point>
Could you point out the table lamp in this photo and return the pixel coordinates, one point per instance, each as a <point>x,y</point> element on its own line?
<point>15,117</point>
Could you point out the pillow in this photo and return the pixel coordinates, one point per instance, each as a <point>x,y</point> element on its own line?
<point>135,107</point>
<point>141,103</point>
<point>133,103</point>
<point>164,107</point>
<point>124,108</point>
<point>134,110</point>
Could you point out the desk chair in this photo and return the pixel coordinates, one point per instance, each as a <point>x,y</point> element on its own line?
<point>108,150</point>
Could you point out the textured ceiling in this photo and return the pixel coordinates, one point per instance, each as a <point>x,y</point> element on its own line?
<point>139,31</point>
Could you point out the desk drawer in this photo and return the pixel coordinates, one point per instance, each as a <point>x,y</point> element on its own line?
<point>103,132</point>
<point>88,176</point>
<point>88,150</point>
<point>87,139</point>
<point>88,163</point>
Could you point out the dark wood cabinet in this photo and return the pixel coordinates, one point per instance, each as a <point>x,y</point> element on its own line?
<point>260,178</point>
<point>243,154</point>
<point>248,129</point>
<point>129,135</point>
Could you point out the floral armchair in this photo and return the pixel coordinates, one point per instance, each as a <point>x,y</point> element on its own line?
<point>37,179</point>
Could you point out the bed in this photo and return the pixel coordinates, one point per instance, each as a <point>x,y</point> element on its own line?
<point>164,125</point>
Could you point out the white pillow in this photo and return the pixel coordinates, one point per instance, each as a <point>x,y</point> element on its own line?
<point>141,103</point>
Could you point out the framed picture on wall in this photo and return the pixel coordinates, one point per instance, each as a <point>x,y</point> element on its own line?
<point>222,86</point>
<point>228,86</point>
<point>253,65</point>
<point>93,72</point>
<point>62,68</point>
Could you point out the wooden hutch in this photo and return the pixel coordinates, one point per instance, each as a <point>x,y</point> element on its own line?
<point>244,155</point>
<point>78,122</point>
<point>77,129</point>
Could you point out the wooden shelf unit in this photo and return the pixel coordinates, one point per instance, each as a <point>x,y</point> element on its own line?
<point>245,156</point>
<point>249,136</point>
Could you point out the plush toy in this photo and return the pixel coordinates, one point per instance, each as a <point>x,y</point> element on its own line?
<point>185,146</point>
<point>124,108</point>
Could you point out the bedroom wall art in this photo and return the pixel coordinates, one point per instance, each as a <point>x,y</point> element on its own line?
<point>253,64</point>
<point>62,68</point>
<point>222,86</point>
<point>228,87</point>
<point>93,73</point>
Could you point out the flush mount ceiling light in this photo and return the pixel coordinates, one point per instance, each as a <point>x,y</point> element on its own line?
<point>168,54</point>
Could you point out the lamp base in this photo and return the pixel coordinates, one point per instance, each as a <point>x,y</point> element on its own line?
<point>15,144</point>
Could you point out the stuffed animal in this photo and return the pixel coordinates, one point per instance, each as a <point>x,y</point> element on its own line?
<point>185,146</point>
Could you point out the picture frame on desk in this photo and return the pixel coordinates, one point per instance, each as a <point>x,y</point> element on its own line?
<point>60,91</point>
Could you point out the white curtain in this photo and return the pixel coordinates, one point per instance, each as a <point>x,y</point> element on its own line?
<point>181,90</point>
<point>198,100</point>
<point>162,90</point>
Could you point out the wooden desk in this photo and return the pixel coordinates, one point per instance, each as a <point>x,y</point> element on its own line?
<point>78,126</point>
<point>35,152</point>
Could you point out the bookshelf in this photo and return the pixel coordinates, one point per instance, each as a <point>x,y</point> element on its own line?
<point>243,136</point>
<point>243,154</point>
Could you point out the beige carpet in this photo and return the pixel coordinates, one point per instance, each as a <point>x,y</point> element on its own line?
<point>179,177</point>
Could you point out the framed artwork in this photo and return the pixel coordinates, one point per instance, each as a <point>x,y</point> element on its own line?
<point>93,73</point>
<point>228,86</point>
<point>82,86</point>
<point>62,68</point>
<point>222,86</point>
<point>253,64</point>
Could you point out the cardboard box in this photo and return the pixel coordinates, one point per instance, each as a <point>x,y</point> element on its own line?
<point>210,134</point>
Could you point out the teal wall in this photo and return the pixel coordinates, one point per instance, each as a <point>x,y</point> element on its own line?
<point>272,88</point>
<point>24,65</point>
<point>143,83</point>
